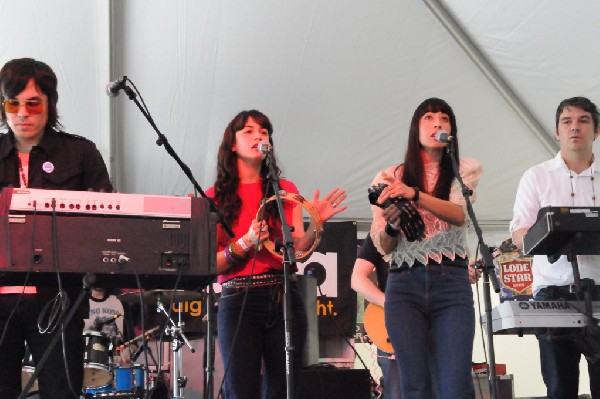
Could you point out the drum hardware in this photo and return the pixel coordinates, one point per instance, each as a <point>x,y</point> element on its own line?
<point>187,303</point>
<point>178,380</point>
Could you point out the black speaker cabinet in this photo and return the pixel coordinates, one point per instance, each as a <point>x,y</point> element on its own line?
<point>331,382</point>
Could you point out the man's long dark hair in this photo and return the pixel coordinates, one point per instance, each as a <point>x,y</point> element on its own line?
<point>414,173</point>
<point>15,75</point>
<point>228,180</point>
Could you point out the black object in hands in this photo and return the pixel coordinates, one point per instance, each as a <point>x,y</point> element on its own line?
<point>375,192</point>
<point>411,222</point>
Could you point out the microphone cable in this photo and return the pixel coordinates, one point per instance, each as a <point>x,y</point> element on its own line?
<point>31,264</point>
<point>57,307</point>
<point>52,314</point>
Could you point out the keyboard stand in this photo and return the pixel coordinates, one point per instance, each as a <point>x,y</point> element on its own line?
<point>587,338</point>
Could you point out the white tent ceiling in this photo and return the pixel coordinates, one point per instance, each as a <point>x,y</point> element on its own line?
<point>339,79</point>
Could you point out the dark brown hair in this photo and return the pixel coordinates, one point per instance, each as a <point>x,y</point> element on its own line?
<point>414,174</point>
<point>226,186</point>
<point>15,75</point>
<point>581,103</point>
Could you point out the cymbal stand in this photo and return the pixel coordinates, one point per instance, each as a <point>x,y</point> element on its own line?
<point>178,380</point>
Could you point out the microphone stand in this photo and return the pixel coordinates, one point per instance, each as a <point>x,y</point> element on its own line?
<point>289,260</point>
<point>89,279</point>
<point>489,273</point>
<point>209,345</point>
<point>162,141</point>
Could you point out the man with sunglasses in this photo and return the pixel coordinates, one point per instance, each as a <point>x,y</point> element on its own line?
<point>35,153</point>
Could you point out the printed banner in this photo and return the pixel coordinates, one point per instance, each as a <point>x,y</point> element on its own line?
<point>336,301</point>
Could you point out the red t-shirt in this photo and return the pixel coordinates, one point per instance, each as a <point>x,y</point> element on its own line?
<point>251,195</point>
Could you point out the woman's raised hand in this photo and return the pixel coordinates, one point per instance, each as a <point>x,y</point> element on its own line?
<point>331,204</point>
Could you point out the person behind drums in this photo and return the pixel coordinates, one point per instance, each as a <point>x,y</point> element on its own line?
<point>110,316</point>
<point>570,179</point>
<point>106,329</point>
<point>250,275</point>
<point>429,311</point>
<point>36,153</point>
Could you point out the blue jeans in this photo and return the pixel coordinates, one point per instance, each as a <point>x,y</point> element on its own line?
<point>260,344</point>
<point>559,359</point>
<point>431,322</point>
<point>391,376</point>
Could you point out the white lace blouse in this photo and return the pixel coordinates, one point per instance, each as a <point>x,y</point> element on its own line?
<point>441,238</point>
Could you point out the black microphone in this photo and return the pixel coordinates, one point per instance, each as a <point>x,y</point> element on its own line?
<point>99,323</point>
<point>443,136</point>
<point>137,353</point>
<point>264,147</point>
<point>113,88</point>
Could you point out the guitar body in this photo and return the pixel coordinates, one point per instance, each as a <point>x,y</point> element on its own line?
<point>375,327</point>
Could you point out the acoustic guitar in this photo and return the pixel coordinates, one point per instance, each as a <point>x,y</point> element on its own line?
<point>375,327</point>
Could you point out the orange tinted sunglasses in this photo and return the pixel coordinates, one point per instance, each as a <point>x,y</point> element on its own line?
<point>34,107</point>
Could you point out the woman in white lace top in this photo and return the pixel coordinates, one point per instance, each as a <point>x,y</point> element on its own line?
<point>429,310</point>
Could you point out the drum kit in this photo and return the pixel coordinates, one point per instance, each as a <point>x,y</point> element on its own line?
<point>104,378</point>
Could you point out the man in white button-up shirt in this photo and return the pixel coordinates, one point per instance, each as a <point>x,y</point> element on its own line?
<point>572,178</point>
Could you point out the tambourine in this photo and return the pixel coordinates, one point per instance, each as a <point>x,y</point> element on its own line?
<point>314,214</point>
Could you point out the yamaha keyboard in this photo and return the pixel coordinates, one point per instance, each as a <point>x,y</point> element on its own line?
<point>529,317</point>
<point>115,236</point>
<point>558,226</point>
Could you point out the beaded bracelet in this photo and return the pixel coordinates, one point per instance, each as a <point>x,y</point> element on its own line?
<point>243,244</point>
<point>238,256</point>
<point>229,257</point>
<point>417,192</point>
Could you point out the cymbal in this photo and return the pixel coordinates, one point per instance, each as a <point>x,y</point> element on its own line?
<point>162,295</point>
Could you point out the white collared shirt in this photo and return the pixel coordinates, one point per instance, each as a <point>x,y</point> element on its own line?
<point>551,183</point>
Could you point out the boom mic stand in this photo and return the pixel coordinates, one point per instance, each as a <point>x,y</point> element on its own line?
<point>489,273</point>
<point>162,141</point>
<point>289,259</point>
